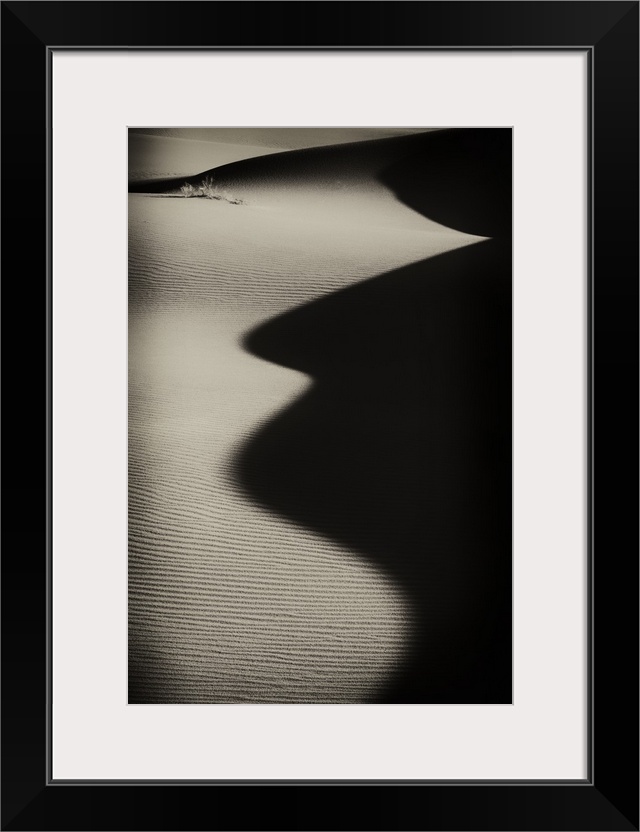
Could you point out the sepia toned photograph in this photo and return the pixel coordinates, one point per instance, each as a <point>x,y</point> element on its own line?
<point>320,415</point>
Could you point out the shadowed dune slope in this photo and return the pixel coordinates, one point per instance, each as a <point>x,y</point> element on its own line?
<point>401,449</point>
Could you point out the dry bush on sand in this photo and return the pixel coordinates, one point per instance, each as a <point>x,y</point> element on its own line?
<point>207,189</point>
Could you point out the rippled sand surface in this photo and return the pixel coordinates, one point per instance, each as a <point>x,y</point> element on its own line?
<point>229,602</point>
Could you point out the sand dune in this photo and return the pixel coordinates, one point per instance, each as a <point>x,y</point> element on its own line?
<point>159,153</point>
<point>292,138</point>
<point>154,156</point>
<point>230,601</point>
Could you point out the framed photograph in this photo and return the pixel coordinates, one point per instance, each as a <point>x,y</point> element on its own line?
<point>339,311</point>
<point>295,441</point>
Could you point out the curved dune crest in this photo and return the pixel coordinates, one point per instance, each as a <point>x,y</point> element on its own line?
<point>459,179</point>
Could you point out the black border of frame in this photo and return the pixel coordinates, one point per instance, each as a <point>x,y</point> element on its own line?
<point>608,800</point>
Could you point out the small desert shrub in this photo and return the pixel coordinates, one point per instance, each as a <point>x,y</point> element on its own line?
<point>209,190</point>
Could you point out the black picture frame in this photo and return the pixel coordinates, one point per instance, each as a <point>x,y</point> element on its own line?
<point>608,798</point>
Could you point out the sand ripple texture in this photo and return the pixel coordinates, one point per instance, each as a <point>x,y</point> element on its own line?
<point>229,603</point>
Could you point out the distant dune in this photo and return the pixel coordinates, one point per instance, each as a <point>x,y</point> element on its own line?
<point>159,153</point>
<point>233,598</point>
<point>347,164</point>
<point>290,138</point>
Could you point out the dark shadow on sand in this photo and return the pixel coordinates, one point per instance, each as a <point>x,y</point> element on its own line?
<point>401,449</point>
